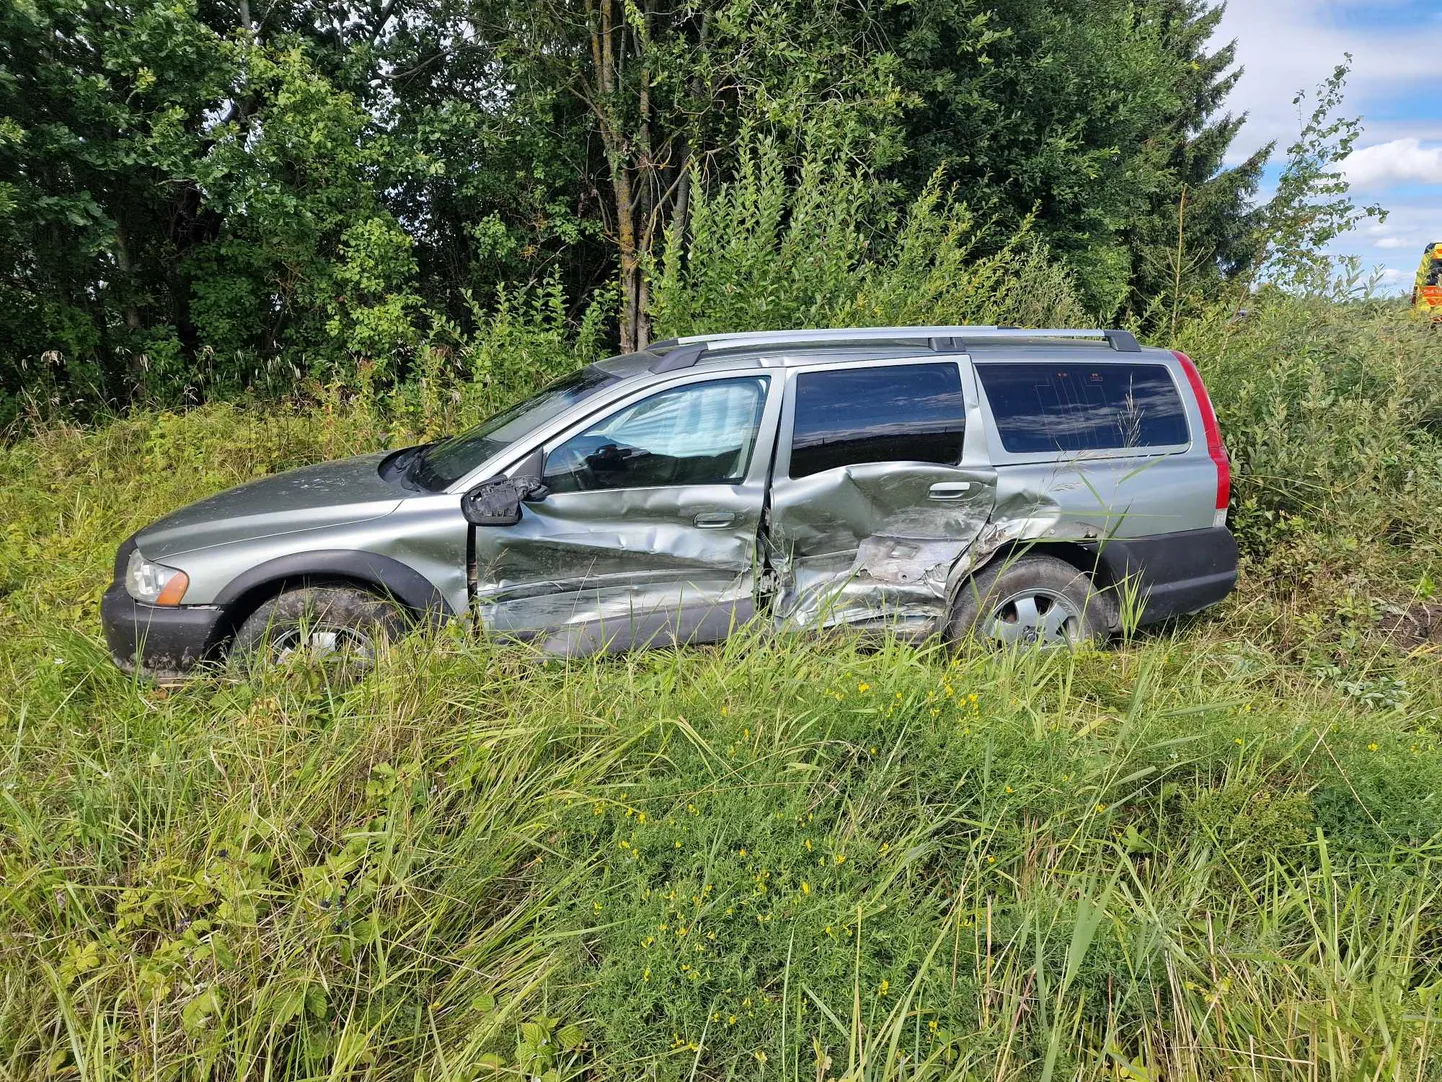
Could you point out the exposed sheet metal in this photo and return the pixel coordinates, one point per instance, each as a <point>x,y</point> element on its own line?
<point>868,543</point>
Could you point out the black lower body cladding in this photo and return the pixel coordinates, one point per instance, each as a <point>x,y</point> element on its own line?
<point>1172,574</point>
<point>164,641</point>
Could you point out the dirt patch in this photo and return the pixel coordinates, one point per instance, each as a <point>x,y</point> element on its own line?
<point>1411,626</point>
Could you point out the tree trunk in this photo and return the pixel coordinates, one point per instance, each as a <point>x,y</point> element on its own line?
<point>122,264</point>
<point>630,260</point>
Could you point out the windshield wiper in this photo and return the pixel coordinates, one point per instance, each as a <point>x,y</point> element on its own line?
<point>401,465</point>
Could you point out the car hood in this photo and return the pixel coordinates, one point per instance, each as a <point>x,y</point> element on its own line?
<point>329,494</point>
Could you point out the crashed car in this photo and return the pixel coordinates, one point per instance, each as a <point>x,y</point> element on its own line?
<point>1021,486</point>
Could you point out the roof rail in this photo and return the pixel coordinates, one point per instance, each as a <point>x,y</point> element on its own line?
<point>685,352</point>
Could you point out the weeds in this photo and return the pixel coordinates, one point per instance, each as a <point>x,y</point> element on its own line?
<point>1210,851</point>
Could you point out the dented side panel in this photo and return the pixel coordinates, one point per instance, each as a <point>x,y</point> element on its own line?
<point>868,543</point>
<point>593,570</point>
<point>618,568</point>
<point>875,543</point>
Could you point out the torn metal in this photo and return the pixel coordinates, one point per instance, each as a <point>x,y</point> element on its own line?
<point>872,542</point>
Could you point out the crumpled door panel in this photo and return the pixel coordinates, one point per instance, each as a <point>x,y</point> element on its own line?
<point>590,571</point>
<point>870,543</point>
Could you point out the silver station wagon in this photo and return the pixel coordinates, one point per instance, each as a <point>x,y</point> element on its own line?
<point>1024,486</point>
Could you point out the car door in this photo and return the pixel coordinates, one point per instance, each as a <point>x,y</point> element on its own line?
<point>647,531</point>
<point>881,484</point>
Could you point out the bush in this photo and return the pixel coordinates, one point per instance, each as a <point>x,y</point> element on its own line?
<point>1332,412</point>
<point>826,247</point>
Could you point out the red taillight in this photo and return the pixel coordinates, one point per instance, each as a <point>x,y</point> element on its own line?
<point>1209,425</point>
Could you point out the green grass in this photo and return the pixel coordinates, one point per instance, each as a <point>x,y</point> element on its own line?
<point>1210,852</point>
<point>687,861</point>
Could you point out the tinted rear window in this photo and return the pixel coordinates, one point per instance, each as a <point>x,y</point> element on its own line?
<point>1078,407</point>
<point>895,413</point>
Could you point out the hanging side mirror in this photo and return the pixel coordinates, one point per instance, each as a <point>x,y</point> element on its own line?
<point>497,502</point>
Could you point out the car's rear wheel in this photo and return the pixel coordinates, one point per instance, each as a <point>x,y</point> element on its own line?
<point>338,627</point>
<point>1033,601</point>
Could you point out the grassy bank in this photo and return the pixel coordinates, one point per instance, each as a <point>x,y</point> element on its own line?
<point>1210,851</point>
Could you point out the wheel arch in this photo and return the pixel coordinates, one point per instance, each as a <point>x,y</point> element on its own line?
<point>385,576</point>
<point>1083,556</point>
<point>1086,557</point>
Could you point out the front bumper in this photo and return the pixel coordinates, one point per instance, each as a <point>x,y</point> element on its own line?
<point>160,642</point>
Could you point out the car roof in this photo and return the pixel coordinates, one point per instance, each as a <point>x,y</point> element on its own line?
<point>719,354</point>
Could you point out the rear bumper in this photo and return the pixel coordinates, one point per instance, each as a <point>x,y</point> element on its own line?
<point>1172,574</point>
<point>160,642</point>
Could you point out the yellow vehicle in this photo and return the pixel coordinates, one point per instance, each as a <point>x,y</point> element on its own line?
<point>1427,296</point>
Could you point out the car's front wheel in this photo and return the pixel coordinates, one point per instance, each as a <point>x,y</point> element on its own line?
<point>340,626</point>
<point>1031,601</point>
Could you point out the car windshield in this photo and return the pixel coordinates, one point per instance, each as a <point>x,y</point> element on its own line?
<point>448,461</point>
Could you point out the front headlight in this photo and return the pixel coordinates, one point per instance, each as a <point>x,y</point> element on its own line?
<point>154,584</point>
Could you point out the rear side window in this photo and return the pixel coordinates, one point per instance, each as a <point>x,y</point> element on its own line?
<point>895,413</point>
<point>1078,407</point>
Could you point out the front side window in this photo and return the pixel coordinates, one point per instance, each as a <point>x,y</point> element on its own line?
<point>891,413</point>
<point>1042,407</point>
<point>700,434</point>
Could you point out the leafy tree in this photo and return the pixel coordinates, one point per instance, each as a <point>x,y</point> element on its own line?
<point>202,195</point>
<point>665,86</point>
<point>1312,205</point>
<point>89,228</point>
<point>1093,115</point>
<point>308,259</point>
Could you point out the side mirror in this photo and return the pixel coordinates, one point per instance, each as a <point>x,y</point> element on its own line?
<point>497,502</point>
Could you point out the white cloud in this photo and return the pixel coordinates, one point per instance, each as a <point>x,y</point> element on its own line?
<point>1291,45</point>
<point>1412,224</point>
<point>1398,161</point>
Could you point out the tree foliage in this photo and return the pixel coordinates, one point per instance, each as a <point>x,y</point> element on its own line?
<point>823,248</point>
<point>198,196</point>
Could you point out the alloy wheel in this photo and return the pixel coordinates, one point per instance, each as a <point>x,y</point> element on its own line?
<point>1038,618</point>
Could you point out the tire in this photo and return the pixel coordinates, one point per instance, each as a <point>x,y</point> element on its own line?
<point>1031,601</point>
<point>342,626</point>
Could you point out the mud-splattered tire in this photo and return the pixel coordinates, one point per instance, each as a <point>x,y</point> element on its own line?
<point>340,625</point>
<point>1031,601</point>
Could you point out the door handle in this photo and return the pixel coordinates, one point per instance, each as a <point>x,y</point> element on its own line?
<point>713,520</point>
<point>949,490</point>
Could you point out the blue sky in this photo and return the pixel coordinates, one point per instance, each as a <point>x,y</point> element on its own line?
<point>1395,86</point>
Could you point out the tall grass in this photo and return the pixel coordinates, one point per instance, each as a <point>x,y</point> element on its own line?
<point>1212,851</point>
<point>745,861</point>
